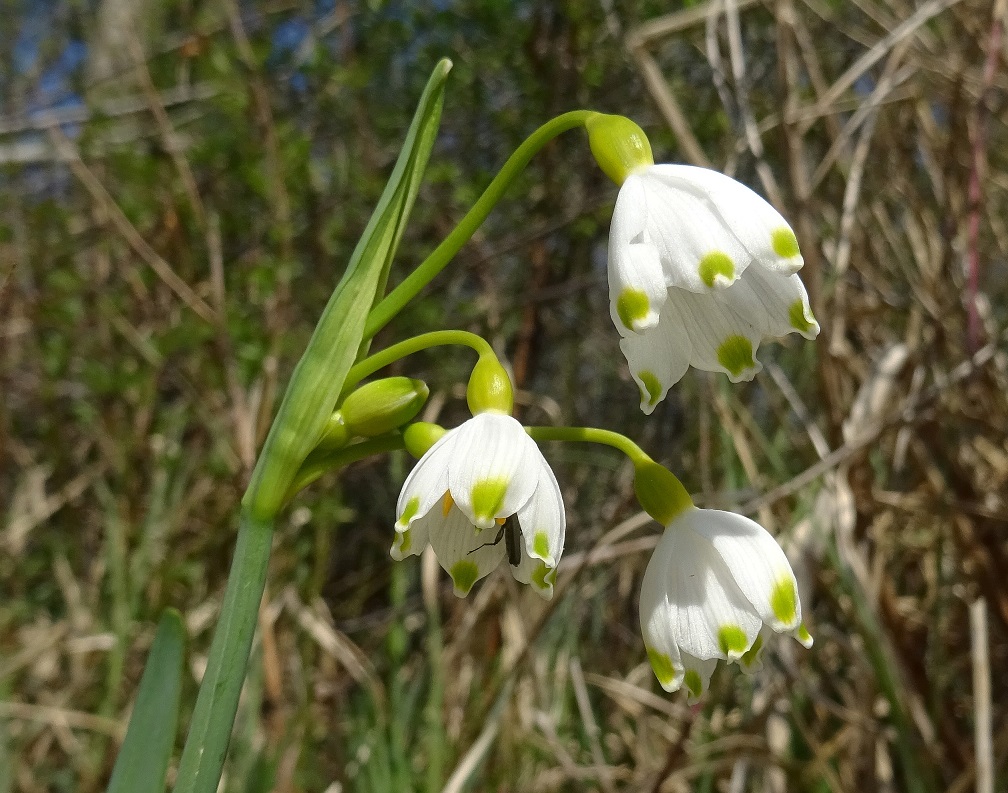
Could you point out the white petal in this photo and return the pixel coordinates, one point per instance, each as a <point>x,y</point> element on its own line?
<point>494,468</point>
<point>709,615</point>
<point>412,540</point>
<point>535,573</point>
<point>427,482</point>
<point>774,304</point>
<point>757,225</point>
<point>697,675</point>
<point>636,280</point>
<point>655,618</point>
<point>658,359</point>
<point>637,289</point>
<point>757,563</point>
<point>722,340</point>
<point>542,520</point>
<point>466,554</point>
<point>698,251</point>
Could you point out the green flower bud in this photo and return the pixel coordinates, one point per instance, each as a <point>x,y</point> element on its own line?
<point>419,437</point>
<point>660,493</point>
<point>489,387</point>
<point>619,145</point>
<point>335,435</point>
<point>381,406</point>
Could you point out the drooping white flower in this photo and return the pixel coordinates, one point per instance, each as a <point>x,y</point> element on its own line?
<point>701,270</point>
<point>466,486</point>
<point>716,581</point>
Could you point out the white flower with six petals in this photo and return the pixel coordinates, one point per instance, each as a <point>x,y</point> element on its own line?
<point>701,270</point>
<point>715,580</point>
<point>464,488</point>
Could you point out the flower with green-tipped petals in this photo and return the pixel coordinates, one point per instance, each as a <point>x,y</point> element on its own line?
<point>463,490</point>
<point>701,270</point>
<point>716,581</point>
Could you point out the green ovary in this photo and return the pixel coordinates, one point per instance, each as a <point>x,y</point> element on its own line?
<point>662,665</point>
<point>785,243</point>
<point>784,602</point>
<point>796,316</point>
<point>714,264</point>
<point>736,355</point>
<point>632,306</point>
<point>732,640</point>
<point>464,574</point>
<point>652,387</point>
<point>488,498</point>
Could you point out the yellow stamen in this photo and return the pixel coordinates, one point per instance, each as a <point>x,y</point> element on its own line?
<point>448,503</point>
<point>500,521</point>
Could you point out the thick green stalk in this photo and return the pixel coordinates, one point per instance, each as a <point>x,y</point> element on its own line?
<point>435,263</point>
<point>210,730</point>
<point>437,338</point>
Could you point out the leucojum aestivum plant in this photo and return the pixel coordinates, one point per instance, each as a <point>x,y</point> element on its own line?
<point>701,270</point>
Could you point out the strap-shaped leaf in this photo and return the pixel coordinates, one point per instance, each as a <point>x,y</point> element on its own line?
<point>317,380</point>
<point>150,737</point>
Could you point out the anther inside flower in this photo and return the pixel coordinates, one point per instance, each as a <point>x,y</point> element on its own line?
<point>464,488</point>
<point>701,270</point>
<point>715,583</point>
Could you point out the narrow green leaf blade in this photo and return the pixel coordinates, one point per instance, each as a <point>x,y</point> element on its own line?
<point>317,380</point>
<point>143,758</point>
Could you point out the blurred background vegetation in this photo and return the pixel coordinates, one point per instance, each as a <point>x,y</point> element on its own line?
<point>182,184</point>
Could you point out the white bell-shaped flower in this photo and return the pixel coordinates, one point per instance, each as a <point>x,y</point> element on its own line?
<point>462,491</point>
<point>701,270</point>
<point>715,582</point>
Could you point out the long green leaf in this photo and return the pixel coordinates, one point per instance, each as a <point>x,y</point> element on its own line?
<point>143,759</point>
<point>317,380</point>
<point>306,407</point>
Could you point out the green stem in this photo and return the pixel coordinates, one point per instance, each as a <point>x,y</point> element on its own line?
<point>435,263</point>
<point>591,435</point>
<point>217,703</point>
<point>320,461</point>
<point>437,338</point>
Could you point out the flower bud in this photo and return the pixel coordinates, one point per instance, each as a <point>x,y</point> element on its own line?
<point>619,145</point>
<point>381,406</point>
<point>489,387</point>
<point>660,493</point>
<point>420,436</point>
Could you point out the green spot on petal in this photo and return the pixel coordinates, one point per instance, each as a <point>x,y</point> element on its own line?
<point>796,316</point>
<point>464,574</point>
<point>736,355</point>
<point>632,306</point>
<point>751,655</point>
<point>693,682</point>
<point>651,392</point>
<point>543,577</point>
<point>411,510</point>
<point>662,666</point>
<point>488,497</point>
<point>541,544</point>
<point>714,264</point>
<point>784,602</point>
<point>785,243</point>
<point>732,640</point>
<point>804,636</point>
<point>406,541</point>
